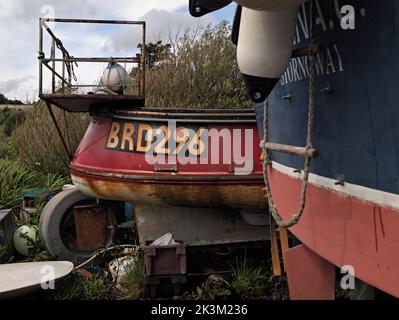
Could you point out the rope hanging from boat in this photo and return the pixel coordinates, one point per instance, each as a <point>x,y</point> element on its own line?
<point>308,159</point>
<point>69,60</point>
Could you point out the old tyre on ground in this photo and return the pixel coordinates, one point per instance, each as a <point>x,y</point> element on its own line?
<point>57,229</point>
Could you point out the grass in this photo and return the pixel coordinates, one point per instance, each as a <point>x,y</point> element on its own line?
<point>16,177</point>
<point>250,281</point>
<point>212,289</point>
<point>3,255</point>
<point>43,151</point>
<point>78,287</point>
<point>133,280</point>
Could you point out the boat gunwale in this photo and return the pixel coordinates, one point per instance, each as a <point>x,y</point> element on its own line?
<point>240,116</point>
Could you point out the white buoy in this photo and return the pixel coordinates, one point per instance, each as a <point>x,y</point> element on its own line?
<point>24,238</point>
<point>115,77</point>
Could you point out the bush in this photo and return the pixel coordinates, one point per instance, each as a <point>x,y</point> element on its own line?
<point>201,72</point>
<point>15,178</point>
<point>10,118</point>
<point>38,143</point>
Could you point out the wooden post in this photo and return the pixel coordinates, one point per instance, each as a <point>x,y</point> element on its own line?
<point>284,244</point>
<point>274,249</point>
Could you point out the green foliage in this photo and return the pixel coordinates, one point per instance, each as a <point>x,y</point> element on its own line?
<point>133,280</point>
<point>78,287</point>
<point>4,100</point>
<point>10,118</point>
<point>3,255</point>
<point>14,179</point>
<point>7,148</point>
<point>156,52</point>
<point>200,72</point>
<point>211,290</point>
<point>38,143</point>
<point>250,281</point>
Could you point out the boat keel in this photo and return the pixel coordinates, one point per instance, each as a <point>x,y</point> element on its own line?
<point>310,277</point>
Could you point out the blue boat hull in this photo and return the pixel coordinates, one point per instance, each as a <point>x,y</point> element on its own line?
<point>357,125</point>
<point>356,130</point>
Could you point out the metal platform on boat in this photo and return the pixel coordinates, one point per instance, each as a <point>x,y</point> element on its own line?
<point>93,102</point>
<point>68,93</point>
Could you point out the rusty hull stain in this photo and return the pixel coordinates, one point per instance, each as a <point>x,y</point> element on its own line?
<point>248,196</point>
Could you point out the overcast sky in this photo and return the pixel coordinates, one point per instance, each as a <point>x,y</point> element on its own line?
<point>19,34</point>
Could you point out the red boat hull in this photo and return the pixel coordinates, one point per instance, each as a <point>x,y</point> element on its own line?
<point>109,163</point>
<point>345,229</point>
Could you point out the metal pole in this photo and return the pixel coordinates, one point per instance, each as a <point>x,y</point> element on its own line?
<point>63,77</point>
<point>53,64</point>
<point>68,151</point>
<point>144,57</point>
<point>40,53</point>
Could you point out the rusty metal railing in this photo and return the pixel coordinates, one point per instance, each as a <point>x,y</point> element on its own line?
<point>67,76</point>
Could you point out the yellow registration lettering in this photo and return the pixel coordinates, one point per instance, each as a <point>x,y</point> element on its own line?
<point>161,147</point>
<point>182,136</point>
<point>197,146</point>
<point>127,136</point>
<point>113,138</point>
<point>144,128</point>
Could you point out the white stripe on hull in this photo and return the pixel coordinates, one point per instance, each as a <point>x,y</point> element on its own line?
<point>381,198</point>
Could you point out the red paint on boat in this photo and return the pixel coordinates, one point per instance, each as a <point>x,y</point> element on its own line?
<point>126,175</point>
<point>344,230</point>
<point>310,277</point>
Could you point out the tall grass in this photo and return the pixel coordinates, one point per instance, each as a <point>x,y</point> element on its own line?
<point>249,281</point>
<point>38,143</point>
<point>200,73</point>
<point>16,177</point>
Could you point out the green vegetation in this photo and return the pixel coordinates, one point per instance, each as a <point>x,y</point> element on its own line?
<point>249,281</point>
<point>43,150</point>
<point>9,120</point>
<point>78,287</point>
<point>213,288</point>
<point>196,70</point>
<point>15,178</point>
<point>3,255</point>
<point>4,100</point>
<point>133,280</point>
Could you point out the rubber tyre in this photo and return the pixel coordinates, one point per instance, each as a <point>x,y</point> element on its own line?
<point>50,225</point>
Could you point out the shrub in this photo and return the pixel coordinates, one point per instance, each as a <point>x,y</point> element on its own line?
<point>38,143</point>
<point>201,72</point>
<point>14,179</point>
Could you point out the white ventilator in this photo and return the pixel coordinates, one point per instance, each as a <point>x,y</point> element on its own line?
<point>115,77</point>
<point>265,42</point>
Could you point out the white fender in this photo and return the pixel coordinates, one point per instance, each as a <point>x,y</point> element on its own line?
<point>265,42</point>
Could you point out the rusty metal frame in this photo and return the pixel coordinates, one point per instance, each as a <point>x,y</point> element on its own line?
<point>50,63</point>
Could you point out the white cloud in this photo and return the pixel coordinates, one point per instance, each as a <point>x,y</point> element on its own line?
<point>161,25</point>
<point>19,33</point>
